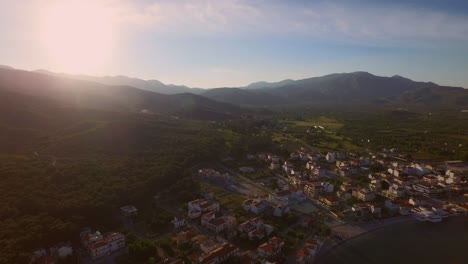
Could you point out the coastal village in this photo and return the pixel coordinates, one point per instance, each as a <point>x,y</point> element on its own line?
<point>268,208</point>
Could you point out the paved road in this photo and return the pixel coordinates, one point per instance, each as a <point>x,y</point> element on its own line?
<point>235,173</point>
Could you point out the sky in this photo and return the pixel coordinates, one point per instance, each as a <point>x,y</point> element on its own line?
<point>220,43</point>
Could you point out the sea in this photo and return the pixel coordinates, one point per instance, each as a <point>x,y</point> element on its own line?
<point>409,242</point>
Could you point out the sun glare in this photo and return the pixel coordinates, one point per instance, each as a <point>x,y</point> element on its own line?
<point>77,36</point>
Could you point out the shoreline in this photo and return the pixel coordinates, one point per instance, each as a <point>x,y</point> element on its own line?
<point>330,244</point>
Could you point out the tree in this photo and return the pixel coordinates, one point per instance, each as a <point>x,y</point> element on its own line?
<point>324,230</point>
<point>142,249</point>
<point>274,183</point>
<point>376,167</point>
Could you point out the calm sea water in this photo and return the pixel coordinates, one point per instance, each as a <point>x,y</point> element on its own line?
<point>412,242</point>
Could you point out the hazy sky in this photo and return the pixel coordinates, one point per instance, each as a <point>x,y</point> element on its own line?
<point>232,43</point>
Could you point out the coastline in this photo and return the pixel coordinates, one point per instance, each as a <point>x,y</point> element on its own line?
<point>366,228</point>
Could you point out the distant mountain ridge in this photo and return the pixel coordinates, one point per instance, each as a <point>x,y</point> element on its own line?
<point>92,95</point>
<point>257,85</point>
<point>353,89</point>
<point>356,88</point>
<point>149,85</point>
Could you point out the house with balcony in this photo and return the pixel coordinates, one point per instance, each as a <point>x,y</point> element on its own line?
<point>200,206</point>
<point>219,255</point>
<point>279,209</point>
<point>189,237</point>
<point>365,195</point>
<point>271,249</point>
<point>218,224</point>
<point>98,245</point>
<point>329,200</point>
<point>281,197</point>
<point>256,206</point>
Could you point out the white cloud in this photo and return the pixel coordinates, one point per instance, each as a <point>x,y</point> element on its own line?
<point>374,25</point>
<point>362,24</point>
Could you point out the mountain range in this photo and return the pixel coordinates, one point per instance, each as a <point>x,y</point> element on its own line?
<point>125,93</point>
<point>69,92</point>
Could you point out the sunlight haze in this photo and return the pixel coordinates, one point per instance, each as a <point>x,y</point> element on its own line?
<point>233,43</point>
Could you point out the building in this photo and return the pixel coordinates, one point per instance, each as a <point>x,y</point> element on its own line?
<point>53,254</point>
<point>330,157</point>
<point>271,249</point>
<point>364,161</point>
<point>329,200</point>
<point>281,197</point>
<point>255,228</point>
<point>430,179</point>
<point>213,176</point>
<point>209,245</point>
<point>98,245</point>
<point>218,255</point>
<point>256,206</point>
<point>427,189</point>
<point>307,254</point>
<point>188,237</point>
<point>365,195</point>
<point>303,257</point>
<point>297,194</point>
<point>294,156</point>
<point>62,250</point>
<point>128,210</point>
<point>279,209</point>
<point>275,165</point>
<point>375,209</point>
<point>178,222</point>
<point>201,206</point>
<point>394,207</point>
<point>313,190</point>
<point>288,168</point>
<point>217,225</point>
<point>394,191</point>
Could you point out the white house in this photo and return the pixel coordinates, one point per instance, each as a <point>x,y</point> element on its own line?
<point>274,165</point>
<point>208,245</point>
<point>330,157</point>
<point>396,191</point>
<point>375,209</point>
<point>255,228</point>
<point>178,222</point>
<point>280,209</point>
<point>203,206</point>
<point>128,210</point>
<point>64,250</point>
<point>391,206</point>
<point>365,161</point>
<point>365,195</point>
<point>327,187</point>
<point>256,206</point>
<point>219,224</point>
<point>281,197</point>
<point>99,245</point>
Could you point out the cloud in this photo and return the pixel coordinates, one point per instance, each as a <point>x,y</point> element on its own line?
<point>389,24</point>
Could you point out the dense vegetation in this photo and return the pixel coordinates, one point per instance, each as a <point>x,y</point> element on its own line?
<point>419,134</point>
<point>62,169</point>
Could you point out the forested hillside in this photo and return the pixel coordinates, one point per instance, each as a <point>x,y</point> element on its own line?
<point>64,168</point>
